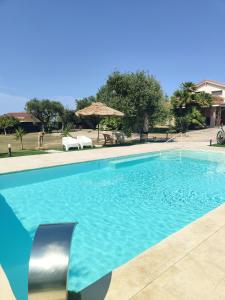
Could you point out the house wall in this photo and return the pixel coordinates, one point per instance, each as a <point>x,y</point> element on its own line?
<point>30,127</point>
<point>215,116</point>
<point>209,88</point>
<point>206,111</point>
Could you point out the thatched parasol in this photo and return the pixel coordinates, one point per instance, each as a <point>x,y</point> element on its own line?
<point>99,110</point>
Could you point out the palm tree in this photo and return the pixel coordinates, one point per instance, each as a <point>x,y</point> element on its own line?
<point>187,104</point>
<point>188,86</point>
<point>19,133</point>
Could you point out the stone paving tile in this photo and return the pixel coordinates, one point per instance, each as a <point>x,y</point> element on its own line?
<point>5,289</point>
<point>155,293</point>
<point>199,275</point>
<point>219,292</point>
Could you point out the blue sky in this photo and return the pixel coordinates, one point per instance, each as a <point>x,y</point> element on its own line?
<point>65,49</point>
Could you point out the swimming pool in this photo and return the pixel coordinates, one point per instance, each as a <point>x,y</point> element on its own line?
<point>123,206</point>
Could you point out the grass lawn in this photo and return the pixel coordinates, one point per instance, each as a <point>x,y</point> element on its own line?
<point>30,141</point>
<point>53,141</point>
<point>218,145</point>
<point>23,153</point>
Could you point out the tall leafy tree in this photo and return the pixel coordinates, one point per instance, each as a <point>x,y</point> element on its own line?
<point>67,117</point>
<point>7,122</point>
<point>187,104</point>
<point>84,102</point>
<point>138,95</point>
<point>44,110</point>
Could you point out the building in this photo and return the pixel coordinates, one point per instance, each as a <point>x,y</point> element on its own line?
<point>215,115</point>
<point>27,121</point>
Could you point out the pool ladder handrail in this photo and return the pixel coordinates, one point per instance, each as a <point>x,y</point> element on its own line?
<point>172,138</point>
<point>175,136</point>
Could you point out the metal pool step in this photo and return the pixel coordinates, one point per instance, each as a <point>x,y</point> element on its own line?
<point>171,156</point>
<point>130,161</point>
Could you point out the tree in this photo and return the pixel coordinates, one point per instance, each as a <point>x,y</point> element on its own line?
<point>7,122</point>
<point>138,95</point>
<point>19,133</point>
<point>67,117</point>
<point>111,123</point>
<point>84,102</point>
<point>44,110</point>
<point>187,106</point>
<point>66,130</point>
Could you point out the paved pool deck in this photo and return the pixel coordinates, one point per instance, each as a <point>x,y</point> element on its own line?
<point>188,265</point>
<point>21,163</point>
<point>5,290</point>
<point>14,164</point>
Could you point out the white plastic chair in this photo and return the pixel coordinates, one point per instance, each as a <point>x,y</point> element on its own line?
<point>84,141</point>
<point>69,142</point>
<point>119,137</point>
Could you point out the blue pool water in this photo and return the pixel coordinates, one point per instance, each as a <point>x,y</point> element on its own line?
<point>123,207</point>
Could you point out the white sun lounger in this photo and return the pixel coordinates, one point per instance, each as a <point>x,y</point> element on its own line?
<point>69,142</point>
<point>84,141</point>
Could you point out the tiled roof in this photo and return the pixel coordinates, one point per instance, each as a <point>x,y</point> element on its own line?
<point>217,83</point>
<point>23,117</point>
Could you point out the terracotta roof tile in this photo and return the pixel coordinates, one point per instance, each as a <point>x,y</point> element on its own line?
<point>23,117</point>
<point>212,82</point>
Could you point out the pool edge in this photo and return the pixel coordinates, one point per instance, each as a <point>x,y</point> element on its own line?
<point>145,271</point>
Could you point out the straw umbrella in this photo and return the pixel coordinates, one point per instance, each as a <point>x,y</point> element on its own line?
<point>99,110</point>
